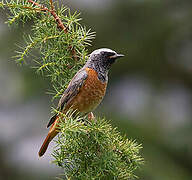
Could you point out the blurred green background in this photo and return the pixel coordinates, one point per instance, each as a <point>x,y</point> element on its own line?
<point>149,97</point>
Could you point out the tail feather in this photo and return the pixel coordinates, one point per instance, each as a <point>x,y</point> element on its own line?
<point>52,120</point>
<point>52,133</point>
<point>45,145</point>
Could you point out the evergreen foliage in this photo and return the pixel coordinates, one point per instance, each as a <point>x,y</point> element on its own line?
<point>62,51</point>
<point>85,149</point>
<point>95,150</point>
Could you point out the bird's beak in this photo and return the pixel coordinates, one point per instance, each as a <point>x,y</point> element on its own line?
<point>116,56</point>
<point>120,55</point>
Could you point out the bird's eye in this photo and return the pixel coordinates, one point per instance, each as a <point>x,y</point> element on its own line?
<point>108,54</point>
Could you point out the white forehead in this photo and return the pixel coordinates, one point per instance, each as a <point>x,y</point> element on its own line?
<point>98,51</point>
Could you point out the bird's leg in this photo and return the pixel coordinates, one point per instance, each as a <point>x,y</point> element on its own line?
<point>91,116</point>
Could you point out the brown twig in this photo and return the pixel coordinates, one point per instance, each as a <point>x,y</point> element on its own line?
<point>60,24</point>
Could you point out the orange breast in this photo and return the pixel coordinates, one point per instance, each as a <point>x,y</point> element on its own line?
<point>90,95</point>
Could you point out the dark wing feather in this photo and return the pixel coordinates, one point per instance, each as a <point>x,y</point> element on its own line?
<point>71,91</point>
<point>52,120</point>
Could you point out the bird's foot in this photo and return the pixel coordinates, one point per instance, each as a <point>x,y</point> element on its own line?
<point>91,116</point>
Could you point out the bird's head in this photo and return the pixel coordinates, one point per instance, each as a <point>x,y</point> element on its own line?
<point>103,58</point>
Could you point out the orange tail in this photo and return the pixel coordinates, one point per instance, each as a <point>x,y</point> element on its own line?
<point>45,145</point>
<point>52,133</point>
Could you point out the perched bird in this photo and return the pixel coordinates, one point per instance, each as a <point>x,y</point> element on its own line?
<point>85,91</point>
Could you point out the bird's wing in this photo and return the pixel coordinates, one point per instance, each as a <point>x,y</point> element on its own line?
<point>71,91</point>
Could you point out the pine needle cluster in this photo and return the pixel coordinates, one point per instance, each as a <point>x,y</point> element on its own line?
<point>85,149</point>
<point>62,51</point>
<point>94,150</point>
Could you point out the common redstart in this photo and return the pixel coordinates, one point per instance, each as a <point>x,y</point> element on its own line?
<point>85,91</point>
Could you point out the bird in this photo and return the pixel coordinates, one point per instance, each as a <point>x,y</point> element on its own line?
<point>85,91</point>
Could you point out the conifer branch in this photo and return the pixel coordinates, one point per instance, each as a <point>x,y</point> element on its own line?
<point>52,11</point>
<point>60,24</point>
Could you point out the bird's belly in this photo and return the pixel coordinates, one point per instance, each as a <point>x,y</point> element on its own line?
<point>89,99</point>
<point>90,94</point>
